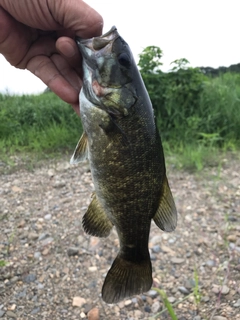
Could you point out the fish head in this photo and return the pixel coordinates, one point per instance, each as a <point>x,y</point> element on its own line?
<point>109,72</point>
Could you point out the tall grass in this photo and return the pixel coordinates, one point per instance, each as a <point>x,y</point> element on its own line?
<point>197,116</point>
<point>37,123</point>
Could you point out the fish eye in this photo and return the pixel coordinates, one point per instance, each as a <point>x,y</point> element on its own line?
<point>124,60</point>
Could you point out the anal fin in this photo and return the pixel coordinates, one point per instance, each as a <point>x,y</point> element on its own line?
<point>166,215</point>
<point>81,150</point>
<point>95,221</point>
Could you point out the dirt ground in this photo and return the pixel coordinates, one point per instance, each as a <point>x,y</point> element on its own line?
<point>55,271</point>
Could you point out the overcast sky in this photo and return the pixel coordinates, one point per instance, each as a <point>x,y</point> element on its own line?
<point>206,32</point>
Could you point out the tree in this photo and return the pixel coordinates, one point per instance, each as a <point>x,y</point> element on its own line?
<point>149,61</point>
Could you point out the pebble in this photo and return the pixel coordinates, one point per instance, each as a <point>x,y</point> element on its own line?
<point>175,260</point>
<point>72,251</point>
<point>219,318</point>
<point>171,299</point>
<point>152,293</point>
<point>2,312</point>
<point>128,303</point>
<point>37,255</point>
<point>59,184</point>
<point>211,263</point>
<point>40,286</point>
<point>183,290</point>
<point>92,269</point>
<point>93,314</point>
<point>35,310</point>
<point>32,236</point>
<point>78,302</point>
<point>156,239</point>
<point>223,289</point>
<point>155,306</point>
<point>147,309</point>
<point>43,236</point>
<point>48,216</point>
<point>47,241</point>
<point>156,249</point>
<point>138,314</point>
<point>237,304</point>
<point>11,314</point>
<point>197,318</point>
<point>232,238</point>
<point>30,278</point>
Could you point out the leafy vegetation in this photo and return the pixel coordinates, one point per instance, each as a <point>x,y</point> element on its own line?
<point>198,115</point>
<point>37,123</point>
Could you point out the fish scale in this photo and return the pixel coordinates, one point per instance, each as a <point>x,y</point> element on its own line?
<point>124,149</point>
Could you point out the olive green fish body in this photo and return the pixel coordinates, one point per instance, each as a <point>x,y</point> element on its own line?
<point>127,163</point>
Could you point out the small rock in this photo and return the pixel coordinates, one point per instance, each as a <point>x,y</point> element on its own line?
<point>40,286</point>
<point>155,306</point>
<point>37,255</point>
<point>156,239</point>
<point>183,290</point>
<point>59,184</point>
<point>121,304</point>
<point>205,298</point>
<point>78,302</point>
<point>43,236</point>
<point>219,318</point>
<point>223,289</point>
<point>82,315</point>
<point>197,318</point>
<point>12,307</point>
<point>176,260</point>
<point>171,299</point>
<point>92,269</point>
<point>11,314</point>
<point>48,216</point>
<point>73,251</point>
<point>14,279</point>
<point>93,314</point>
<point>35,310</point>
<point>152,293</point>
<point>147,309</point>
<point>2,312</point>
<point>32,236</point>
<point>30,278</point>
<point>237,304</point>
<point>211,263</point>
<point>232,238</point>
<point>138,314</point>
<point>46,241</point>
<point>128,303</point>
<point>156,249</point>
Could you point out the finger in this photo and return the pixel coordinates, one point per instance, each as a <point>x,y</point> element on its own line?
<point>78,16</point>
<point>75,15</point>
<point>68,48</point>
<point>44,68</point>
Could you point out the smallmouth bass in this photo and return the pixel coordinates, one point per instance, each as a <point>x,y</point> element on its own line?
<point>124,149</point>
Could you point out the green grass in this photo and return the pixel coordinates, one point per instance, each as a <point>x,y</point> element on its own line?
<point>199,121</point>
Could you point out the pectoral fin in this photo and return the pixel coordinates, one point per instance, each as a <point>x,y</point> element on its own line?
<point>95,221</point>
<point>166,215</point>
<point>81,151</point>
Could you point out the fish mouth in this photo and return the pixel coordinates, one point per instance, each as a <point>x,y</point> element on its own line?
<point>91,49</point>
<point>97,43</point>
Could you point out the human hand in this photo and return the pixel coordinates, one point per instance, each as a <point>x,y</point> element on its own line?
<point>38,35</point>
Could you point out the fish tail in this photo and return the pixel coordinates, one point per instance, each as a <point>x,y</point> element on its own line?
<point>126,278</point>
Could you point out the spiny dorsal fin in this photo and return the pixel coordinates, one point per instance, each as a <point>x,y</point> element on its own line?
<point>81,150</point>
<point>95,221</point>
<point>166,215</point>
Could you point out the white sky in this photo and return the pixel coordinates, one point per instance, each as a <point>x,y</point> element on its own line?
<point>206,32</point>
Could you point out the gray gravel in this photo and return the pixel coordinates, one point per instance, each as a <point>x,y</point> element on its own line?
<point>55,271</point>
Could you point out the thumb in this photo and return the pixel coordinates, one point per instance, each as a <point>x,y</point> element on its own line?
<point>77,16</point>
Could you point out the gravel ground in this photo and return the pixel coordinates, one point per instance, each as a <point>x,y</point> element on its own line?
<point>55,271</point>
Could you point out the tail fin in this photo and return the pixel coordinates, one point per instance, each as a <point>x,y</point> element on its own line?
<point>126,278</point>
